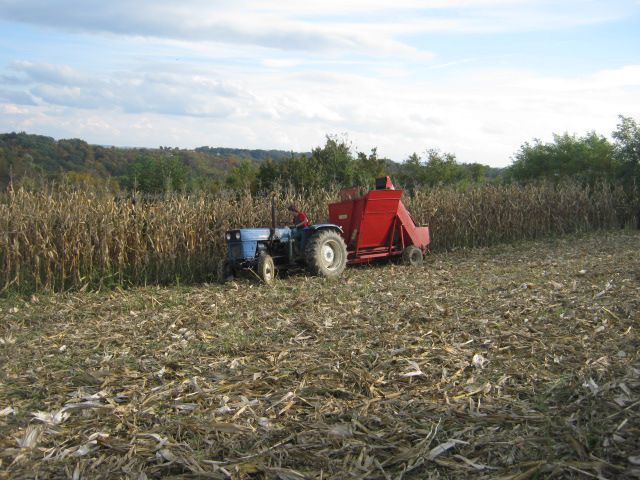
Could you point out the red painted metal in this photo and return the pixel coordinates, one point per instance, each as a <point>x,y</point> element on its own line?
<point>376,224</point>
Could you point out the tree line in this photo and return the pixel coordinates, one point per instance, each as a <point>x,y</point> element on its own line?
<point>26,159</point>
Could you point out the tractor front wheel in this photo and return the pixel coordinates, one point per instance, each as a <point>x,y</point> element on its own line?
<point>412,255</point>
<point>266,269</point>
<point>225,272</point>
<point>326,254</point>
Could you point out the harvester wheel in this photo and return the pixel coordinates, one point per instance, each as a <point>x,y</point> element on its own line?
<point>326,254</point>
<point>266,268</point>
<point>412,255</point>
<point>225,272</point>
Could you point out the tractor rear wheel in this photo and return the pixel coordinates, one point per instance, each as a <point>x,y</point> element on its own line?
<point>412,255</point>
<point>326,254</point>
<point>266,268</point>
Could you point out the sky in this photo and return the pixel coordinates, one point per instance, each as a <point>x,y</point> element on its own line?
<point>476,78</point>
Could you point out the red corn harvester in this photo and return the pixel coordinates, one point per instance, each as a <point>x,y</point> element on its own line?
<point>378,225</point>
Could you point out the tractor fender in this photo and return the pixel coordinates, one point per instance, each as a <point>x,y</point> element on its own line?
<point>325,226</point>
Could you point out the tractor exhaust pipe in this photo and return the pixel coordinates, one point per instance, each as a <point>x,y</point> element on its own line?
<point>273,212</point>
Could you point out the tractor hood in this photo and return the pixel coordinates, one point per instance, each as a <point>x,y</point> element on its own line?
<point>258,234</point>
<point>254,234</point>
<point>245,243</point>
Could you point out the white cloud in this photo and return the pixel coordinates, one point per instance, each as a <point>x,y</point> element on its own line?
<point>142,92</point>
<point>618,78</point>
<point>11,109</point>
<point>373,27</point>
<point>484,117</point>
<point>200,21</point>
<point>48,73</point>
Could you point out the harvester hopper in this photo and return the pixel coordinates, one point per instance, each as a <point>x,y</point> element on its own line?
<point>377,225</point>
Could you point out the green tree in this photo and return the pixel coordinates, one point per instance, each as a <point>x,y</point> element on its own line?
<point>476,172</point>
<point>441,168</point>
<point>588,158</point>
<point>369,167</point>
<point>243,177</point>
<point>334,162</point>
<point>269,173</point>
<point>627,150</point>
<point>331,164</point>
<point>411,172</point>
<point>85,180</point>
<point>157,174</point>
<point>4,169</point>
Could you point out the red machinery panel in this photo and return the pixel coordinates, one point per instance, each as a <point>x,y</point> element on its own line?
<point>347,214</point>
<point>418,236</point>
<point>380,209</point>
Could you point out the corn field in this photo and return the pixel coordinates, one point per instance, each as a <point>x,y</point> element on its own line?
<point>63,239</point>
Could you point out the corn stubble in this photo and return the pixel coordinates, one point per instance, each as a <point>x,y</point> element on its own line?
<point>66,239</point>
<point>497,363</point>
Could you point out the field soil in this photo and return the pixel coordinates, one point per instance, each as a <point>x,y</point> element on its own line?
<point>518,361</point>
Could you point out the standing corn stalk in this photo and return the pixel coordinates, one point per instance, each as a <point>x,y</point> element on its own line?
<point>60,239</point>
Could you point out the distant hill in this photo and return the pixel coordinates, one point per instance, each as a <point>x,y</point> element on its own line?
<point>245,154</point>
<point>32,160</point>
<point>30,155</point>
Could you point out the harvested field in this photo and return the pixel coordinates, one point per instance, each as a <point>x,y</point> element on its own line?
<point>506,362</point>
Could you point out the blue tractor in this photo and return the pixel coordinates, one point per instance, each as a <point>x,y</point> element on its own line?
<point>318,248</point>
